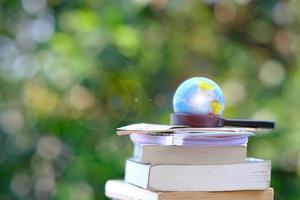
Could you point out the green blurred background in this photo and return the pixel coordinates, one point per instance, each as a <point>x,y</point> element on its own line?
<point>73,71</point>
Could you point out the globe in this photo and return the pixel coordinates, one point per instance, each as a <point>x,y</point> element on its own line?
<point>198,95</point>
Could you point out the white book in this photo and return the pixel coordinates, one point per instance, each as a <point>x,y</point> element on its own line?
<point>145,128</point>
<point>254,174</point>
<point>164,154</point>
<point>118,189</point>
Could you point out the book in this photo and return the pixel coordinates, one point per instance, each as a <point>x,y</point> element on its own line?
<point>254,174</point>
<point>119,189</point>
<point>158,154</point>
<point>193,139</point>
<point>145,128</point>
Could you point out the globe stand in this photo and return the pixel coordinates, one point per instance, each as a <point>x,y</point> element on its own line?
<point>193,120</point>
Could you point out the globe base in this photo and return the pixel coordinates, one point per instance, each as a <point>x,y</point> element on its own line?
<point>194,120</point>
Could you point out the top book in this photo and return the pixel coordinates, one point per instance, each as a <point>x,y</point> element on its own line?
<point>146,128</point>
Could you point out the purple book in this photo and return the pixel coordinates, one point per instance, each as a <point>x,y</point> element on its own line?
<point>194,139</point>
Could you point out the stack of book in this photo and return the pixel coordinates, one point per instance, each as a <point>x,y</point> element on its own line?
<point>177,162</point>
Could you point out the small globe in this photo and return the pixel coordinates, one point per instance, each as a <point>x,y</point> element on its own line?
<point>200,96</point>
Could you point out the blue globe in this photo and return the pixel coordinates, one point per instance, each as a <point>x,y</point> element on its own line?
<point>199,95</point>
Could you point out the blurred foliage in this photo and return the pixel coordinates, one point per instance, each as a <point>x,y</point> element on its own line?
<point>73,71</point>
